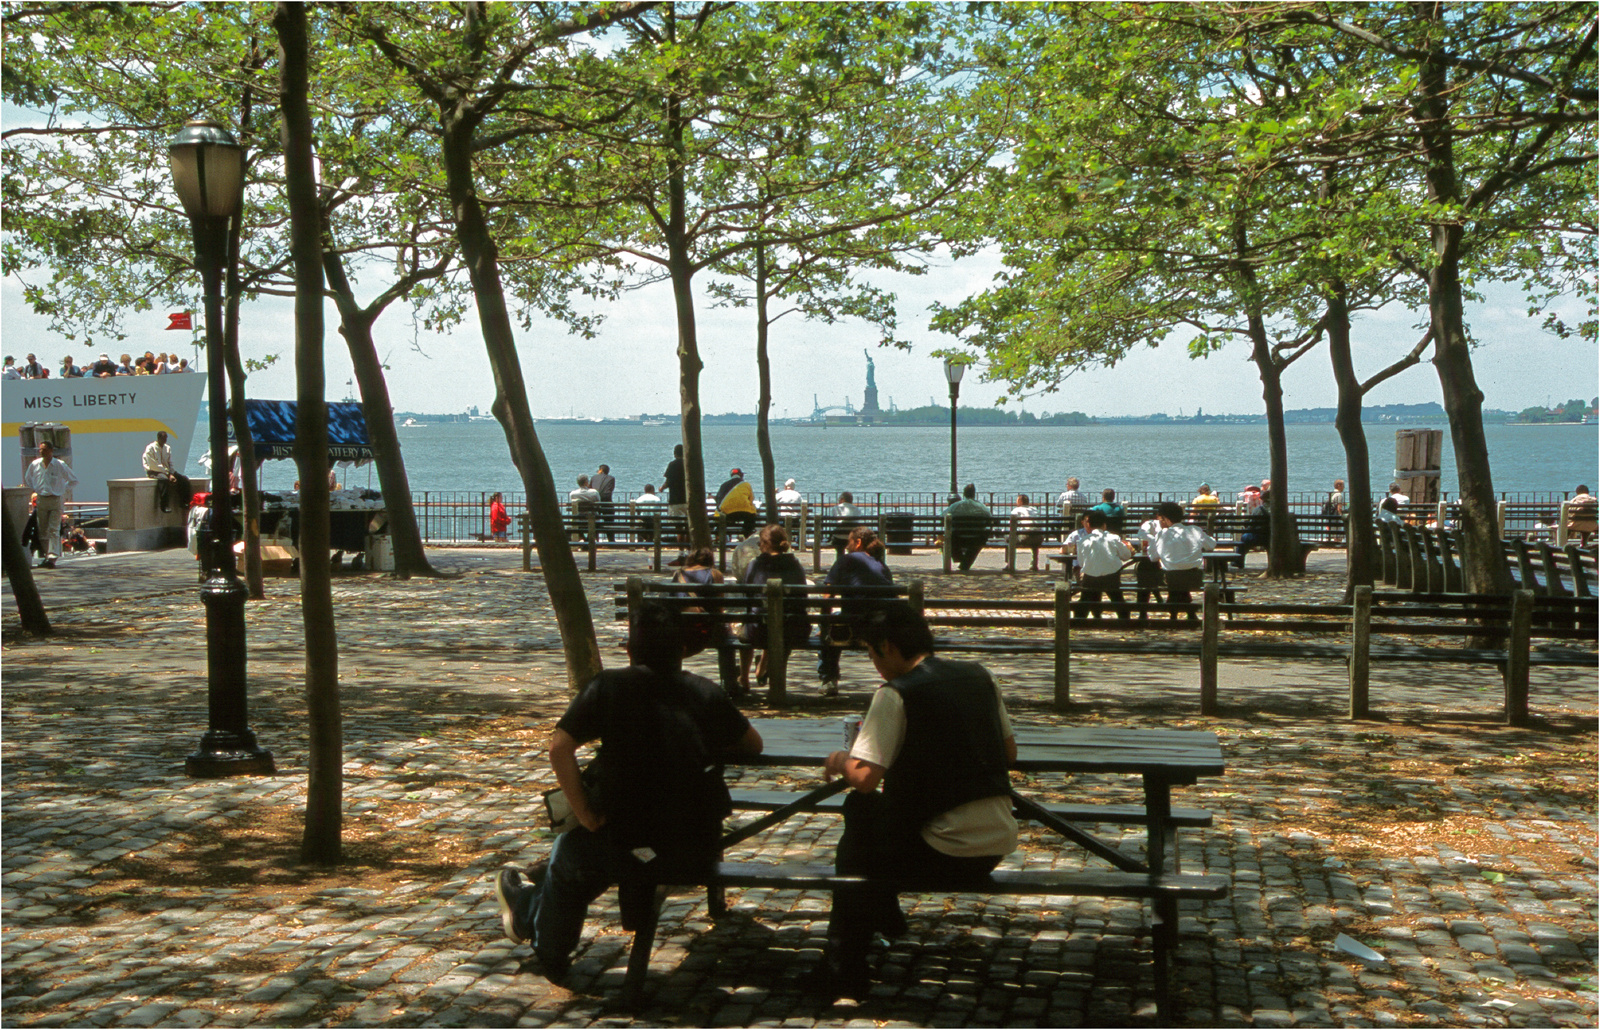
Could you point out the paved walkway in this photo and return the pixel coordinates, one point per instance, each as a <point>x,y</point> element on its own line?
<point>1461,850</point>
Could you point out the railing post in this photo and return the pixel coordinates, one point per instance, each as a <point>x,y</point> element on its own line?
<point>594,540</point>
<point>777,647</point>
<point>1210,626</point>
<point>526,521</point>
<point>1500,519</point>
<point>1561,525</point>
<point>914,596</point>
<point>656,519</point>
<point>1360,650</point>
<point>816,549</point>
<point>1063,613</point>
<point>949,542</point>
<point>1441,515</point>
<point>1517,645</point>
<point>805,516</point>
<point>1011,545</point>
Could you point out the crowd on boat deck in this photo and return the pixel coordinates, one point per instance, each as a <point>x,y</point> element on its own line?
<point>150,364</point>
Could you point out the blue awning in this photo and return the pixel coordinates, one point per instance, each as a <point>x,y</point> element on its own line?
<point>272,430</point>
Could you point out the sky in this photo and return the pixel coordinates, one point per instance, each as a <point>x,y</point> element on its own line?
<point>630,368</point>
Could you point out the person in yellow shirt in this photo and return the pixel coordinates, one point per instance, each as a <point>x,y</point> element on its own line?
<point>739,506</point>
<point>1206,496</point>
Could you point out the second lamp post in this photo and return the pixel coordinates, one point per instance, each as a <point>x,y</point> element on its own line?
<point>952,373</point>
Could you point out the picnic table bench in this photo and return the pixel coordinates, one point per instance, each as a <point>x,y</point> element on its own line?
<point>1162,759</point>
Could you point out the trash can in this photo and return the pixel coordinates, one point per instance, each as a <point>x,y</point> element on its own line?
<point>897,531</point>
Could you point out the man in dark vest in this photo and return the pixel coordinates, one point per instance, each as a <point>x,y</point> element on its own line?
<point>938,740</point>
<point>651,805</point>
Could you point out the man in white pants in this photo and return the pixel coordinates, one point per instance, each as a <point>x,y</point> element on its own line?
<point>51,481</point>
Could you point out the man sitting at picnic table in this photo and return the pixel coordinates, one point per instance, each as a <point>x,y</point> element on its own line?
<point>1101,555</point>
<point>658,799</point>
<point>938,739</point>
<point>1180,548</point>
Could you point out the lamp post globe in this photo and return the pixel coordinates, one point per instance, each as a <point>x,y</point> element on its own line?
<point>208,175</point>
<point>952,374</point>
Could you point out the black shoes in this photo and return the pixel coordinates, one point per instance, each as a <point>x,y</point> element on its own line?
<point>508,890</point>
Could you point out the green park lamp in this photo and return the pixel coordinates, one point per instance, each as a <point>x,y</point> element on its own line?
<point>208,174</point>
<point>953,368</point>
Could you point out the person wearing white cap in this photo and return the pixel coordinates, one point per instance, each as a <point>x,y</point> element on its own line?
<point>104,368</point>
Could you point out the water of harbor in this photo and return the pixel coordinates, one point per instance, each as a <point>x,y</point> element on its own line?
<point>1134,459</point>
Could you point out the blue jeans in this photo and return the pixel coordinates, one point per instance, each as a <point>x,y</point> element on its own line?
<point>582,865</point>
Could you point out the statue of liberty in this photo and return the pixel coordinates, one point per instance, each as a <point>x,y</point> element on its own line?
<point>870,408</point>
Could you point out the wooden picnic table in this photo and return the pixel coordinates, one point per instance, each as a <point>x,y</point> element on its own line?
<point>1162,759</point>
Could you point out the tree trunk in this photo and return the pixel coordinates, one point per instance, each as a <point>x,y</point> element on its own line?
<point>769,474</point>
<point>324,752</point>
<point>689,364</point>
<point>355,325</point>
<point>30,607</point>
<point>480,256</point>
<point>1360,545</point>
<point>1483,559</point>
<point>250,517</point>
<point>1283,545</point>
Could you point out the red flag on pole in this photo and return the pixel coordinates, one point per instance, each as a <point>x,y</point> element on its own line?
<point>180,320</point>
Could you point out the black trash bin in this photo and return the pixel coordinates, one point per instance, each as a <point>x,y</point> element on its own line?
<point>897,531</point>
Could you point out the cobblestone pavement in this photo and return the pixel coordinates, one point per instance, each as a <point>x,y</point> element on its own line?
<point>1463,851</point>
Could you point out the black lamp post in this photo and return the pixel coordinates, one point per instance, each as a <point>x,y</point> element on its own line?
<point>952,372</point>
<point>208,173</point>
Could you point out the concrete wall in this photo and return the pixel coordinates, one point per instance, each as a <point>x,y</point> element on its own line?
<point>137,522</point>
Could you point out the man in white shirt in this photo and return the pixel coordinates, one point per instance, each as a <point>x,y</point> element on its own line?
<point>51,481</point>
<point>1180,547</point>
<point>1029,534</point>
<point>1399,498</point>
<point>937,737</point>
<point>158,466</point>
<point>12,371</point>
<point>1101,555</point>
<point>788,499</point>
<point>583,502</point>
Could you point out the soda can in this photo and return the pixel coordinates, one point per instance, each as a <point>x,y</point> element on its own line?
<point>852,727</point>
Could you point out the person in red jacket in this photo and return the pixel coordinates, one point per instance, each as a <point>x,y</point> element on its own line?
<point>499,521</point>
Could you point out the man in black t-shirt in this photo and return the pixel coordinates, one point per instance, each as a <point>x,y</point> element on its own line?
<point>661,798</point>
<point>672,482</point>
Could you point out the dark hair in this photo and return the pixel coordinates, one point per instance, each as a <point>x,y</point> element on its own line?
<point>655,637</point>
<point>1108,494</point>
<point>677,450</point>
<point>897,623</point>
<point>605,468</point>
<point>1097,518</point>
<point>970,491</point>
<point>775,537</point>
<point>845,497</point>
<point>1022,499</point>
<point>649,488</point>
<point>1172,510</point>
<point>1389,504</point>
<point>1582,489</point>
<point>702,556</point>
<point>869,542</point>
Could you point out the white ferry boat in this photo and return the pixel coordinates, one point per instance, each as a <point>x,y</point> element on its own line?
<point>112,421</point>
